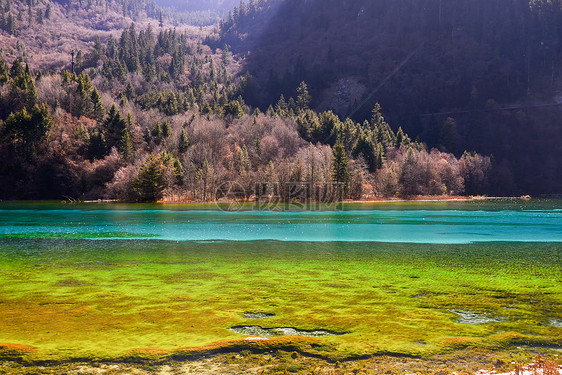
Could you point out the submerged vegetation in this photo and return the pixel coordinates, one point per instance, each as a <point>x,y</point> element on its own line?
<point>387,298</point>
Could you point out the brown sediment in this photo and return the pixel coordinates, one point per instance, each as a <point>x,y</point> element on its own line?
<point>304,345</point>
<point>413,198</point>
<point>464,362</point>
<point>10,350</point>
<point>459,342</point>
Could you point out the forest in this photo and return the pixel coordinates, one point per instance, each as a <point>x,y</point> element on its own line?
<point>154,113</point>
<point>487,71</point>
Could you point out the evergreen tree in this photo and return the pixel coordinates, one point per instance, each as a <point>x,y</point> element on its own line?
<point>27,129</point>
<point>183,143</point>
<point>11,24</point>
<point>98,51</point>
<point>111,48</point>
<point>150,182</point>
<point>130,92</point>
<point>370,151</point>
<point>98,110</point>
<point>114,127</point>
<point>340,166</point>
<point>126,149</point>
<point>281,107</point>
<point>30,93</point>
<point>156,133</point>
<point>402,138</point>
<point>303,97</point>
<point>3,71</point>
<point>178,171</point>
<point>233,109</point>
<point>17,70</point>
<point>166,129</point>
<point>97,147</point>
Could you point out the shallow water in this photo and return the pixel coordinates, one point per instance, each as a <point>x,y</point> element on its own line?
<point>101,279</point>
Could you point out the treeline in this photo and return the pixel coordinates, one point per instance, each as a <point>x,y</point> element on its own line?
<point>459,75</point>
<point>89,136</point>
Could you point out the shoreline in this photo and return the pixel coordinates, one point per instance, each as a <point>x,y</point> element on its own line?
<point>413,199</point>
<point>283,360</point>
<point>420,198</point>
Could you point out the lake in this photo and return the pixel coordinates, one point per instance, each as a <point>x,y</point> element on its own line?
<point>410,278</point>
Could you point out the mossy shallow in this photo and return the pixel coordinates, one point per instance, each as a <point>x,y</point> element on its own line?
<point>71,298</point>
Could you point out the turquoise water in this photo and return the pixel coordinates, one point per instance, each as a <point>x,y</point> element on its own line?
<point>79,280</point>
<point>432,223</point>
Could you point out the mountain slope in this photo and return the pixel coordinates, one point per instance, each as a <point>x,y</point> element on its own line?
<point>218,6</point>
<point>44,34</point>
<point>461,75</point>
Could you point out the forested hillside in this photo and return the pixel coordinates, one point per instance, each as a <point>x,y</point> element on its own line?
<point>152,113</point>
<point>481,75</point>
<point>44,32</point>
<point>196,12</point>
<point>199,5</point>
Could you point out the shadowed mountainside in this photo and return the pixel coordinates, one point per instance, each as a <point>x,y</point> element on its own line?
<point>478,75</point>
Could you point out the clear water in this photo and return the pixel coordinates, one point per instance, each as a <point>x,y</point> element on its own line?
<point>93,279</point>
<point>436,223</point>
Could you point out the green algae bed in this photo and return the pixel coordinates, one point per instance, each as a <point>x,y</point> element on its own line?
<point>67,298</point>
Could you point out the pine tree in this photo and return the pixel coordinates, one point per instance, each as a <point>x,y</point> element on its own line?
<point>303,97</point>
<point>16,71</point>
<point>114,127</point>
<point>130,122</point>
<point>157,133</point>
<point>27,129</point>
<point>126,149</point>
<point>178,171</point>
<point>30,93</point>
<point>130,92</point>
<point>10,24</point>
<point>401,138</point>
<point>340,166</point>
<point>166,129</point>
<point>281,107</point>
<point>3,71</point>
<point>183,143</point>
<point>150,182</point>
<point>98,50</point>
<point>97,147</point>
<point>98,112</point>
<point>377,118</point>
<point>233,109</point>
